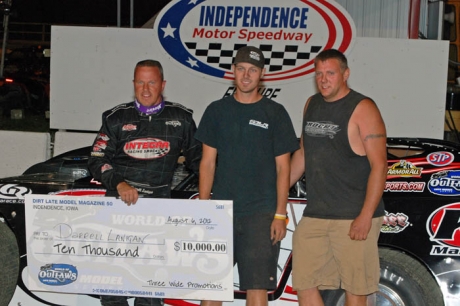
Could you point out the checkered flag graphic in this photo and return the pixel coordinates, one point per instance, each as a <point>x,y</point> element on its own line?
<point>275,60</point>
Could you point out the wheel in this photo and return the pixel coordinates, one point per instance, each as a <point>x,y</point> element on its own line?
<point>9,257</point>
<point>403,282</point>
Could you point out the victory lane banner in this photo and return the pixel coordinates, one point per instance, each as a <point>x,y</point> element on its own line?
<point>163,248</point>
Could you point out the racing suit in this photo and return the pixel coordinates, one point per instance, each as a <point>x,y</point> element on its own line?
<point>143,150</point>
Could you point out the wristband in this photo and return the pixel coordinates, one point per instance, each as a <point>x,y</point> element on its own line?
<point>280,216</point>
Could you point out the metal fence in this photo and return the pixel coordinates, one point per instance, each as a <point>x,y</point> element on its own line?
<point>21,33</point>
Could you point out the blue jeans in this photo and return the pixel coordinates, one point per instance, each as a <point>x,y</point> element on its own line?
<point>109,300</point>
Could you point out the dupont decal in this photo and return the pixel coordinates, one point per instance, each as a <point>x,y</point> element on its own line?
<point>404,168</point>
<point>443,228</point>
<point>404,186</point>
<point>440,159</point>
<point>446,183</point>
<point>57,274</point>
<point>394,223</point>
<point>204,35</point>
<point>12,191</point>
<point>147,148</point>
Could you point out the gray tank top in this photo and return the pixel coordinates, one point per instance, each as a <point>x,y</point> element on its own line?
<point>336,177</point>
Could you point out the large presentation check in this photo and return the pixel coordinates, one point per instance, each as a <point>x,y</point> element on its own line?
<point>164,248</point>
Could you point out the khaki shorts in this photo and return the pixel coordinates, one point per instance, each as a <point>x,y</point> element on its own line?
<point>324,256</point>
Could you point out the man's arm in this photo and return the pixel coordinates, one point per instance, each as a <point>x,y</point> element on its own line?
<point>278,227</point>
<point>192,148</point>
<point>372,134</point>
<point>207,170</point>
<point>100,164</point>
<point>298,158</point>
<point>297,164</point>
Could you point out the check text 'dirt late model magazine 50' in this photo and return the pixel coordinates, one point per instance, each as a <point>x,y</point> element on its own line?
<point>419,241</point>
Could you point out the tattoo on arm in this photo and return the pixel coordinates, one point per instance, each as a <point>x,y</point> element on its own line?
<point>370,136</point>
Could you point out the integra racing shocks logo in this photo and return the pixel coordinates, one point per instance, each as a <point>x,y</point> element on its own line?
<point>57,274</point>
<point>147,148</point>
<point>204,35</point>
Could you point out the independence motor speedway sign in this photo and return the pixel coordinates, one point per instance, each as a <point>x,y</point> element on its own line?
<point>204,35</point>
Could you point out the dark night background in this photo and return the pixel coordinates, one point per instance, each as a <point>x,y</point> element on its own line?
<point>29,34</point>
<point>84,12</point>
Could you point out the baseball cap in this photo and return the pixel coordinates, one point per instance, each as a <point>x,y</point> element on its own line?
<point>250,55</point>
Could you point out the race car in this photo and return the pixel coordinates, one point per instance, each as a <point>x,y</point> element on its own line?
<point>419,244</point>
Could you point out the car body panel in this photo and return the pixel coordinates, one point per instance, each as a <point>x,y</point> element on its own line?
<point>422,210</point>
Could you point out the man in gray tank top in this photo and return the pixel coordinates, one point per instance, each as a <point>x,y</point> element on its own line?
<point>343,155</point>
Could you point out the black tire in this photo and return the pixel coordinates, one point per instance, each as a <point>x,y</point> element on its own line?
<point>403,282</point>
<point>9,257</point>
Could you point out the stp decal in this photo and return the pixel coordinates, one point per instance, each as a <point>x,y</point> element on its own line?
<point>440,159</point>
<point>147,148</point>
<point>444,228</point>
<point>204,35</point>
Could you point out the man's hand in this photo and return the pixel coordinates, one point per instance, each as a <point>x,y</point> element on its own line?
<point>128,194</point>
<point>277,230</point>
<point>360,227</point>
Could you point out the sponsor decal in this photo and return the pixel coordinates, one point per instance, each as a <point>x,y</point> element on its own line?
<point>203,36</point>
<point>445,183</point>
<point>443,228</point>
<point>268,92</point>
<point>97,154</point>
<point>102,136</point>
<point>80,173</point>
<point>404,168</point>
<point>129,127</point>
<point>195,196</point>
<point>404,186</point>
<point>440,159</point>
<point>258,124</point>
<point>174,123</point>
<point>57,274</point>
<point>81,192</point>
<point>13,191</point>
<point>101,144</point>
<point>106,167</point>
<point>96,182</point>
<point>394,223</point>
<point>147,148</point>
<point>321,129</point>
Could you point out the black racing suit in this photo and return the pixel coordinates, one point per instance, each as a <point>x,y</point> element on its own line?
<point>143,150</point>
